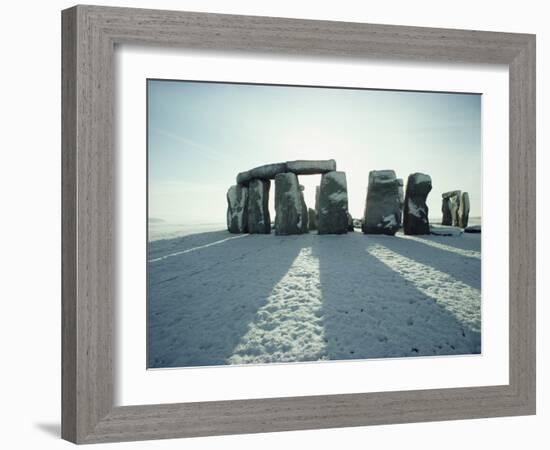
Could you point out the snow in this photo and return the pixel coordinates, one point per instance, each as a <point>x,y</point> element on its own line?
<point>384,174</point>
<point>443,230</point>
<point>337,197</point>
<point>382,177</point>
<point>172,230</point>
<point>389,221</point>
<point>237,204</point>
<point>216,298</point>
<point>289,326</point>
<point>422,178</point>
<point>339,178</point>
<point>449,248</point>
<point>416,211</point>
<point>170,255</point>
<point>384,181</point>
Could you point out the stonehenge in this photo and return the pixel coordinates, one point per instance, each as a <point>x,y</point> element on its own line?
<point>415,212</point>
<point>333,204</point>
<point>248,200</point>
<point>387,207</point>
<point>455,208</point>
<point>383,205</point>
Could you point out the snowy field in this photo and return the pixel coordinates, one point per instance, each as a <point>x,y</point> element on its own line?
<point>167,230</point>
<point>218,298</point>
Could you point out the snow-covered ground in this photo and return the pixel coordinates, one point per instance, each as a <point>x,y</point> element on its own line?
<point>168,230</point>
<point>219,298</point>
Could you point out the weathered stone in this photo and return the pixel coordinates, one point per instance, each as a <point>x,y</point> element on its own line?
<point>289,217</point>
<point>447,218</point>
<point>400,192</point>
<point>333,204</point>
<point>449,207</point>
<point>445,230</point>
<point>415,215</point>
<point>302,167</point>
<point>305,214</point>
<point>259,221</point>
<point>383,205</point>
<point>464,210</point>
<point>265,172</point>
<point>473,229</point>
<point>350,223</point>
<point>237,209</point>
<point>317,192</point>
<point>308,167</point>
<point>312,219</point>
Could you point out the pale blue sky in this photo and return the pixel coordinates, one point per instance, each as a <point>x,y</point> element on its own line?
<point>202,134</point>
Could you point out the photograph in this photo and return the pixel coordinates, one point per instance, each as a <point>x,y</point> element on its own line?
<point>311,224</point>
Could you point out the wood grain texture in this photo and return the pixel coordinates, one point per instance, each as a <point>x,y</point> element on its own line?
<point>68,226</point>
<point>89,36</point>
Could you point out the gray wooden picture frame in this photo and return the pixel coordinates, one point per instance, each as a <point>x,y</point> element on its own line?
<point>89,37</point>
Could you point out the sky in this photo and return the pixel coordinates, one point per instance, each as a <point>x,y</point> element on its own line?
<point>201,135</point>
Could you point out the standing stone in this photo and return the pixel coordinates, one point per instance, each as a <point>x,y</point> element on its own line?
<point>415,217</point>
<point>289,216</point>
<point>312,219</point>
<point>237,209</point>
<point>449,208</point>
<point>259,221</point>
<point>351,228</point>
<point>464,210</point>
<point>455,206</point>
<point>333,204</point>
<point>305,214</point>
<point>317,192</point>
<point>383,205</point>
<point>447,218</point>
<point>401,194</point>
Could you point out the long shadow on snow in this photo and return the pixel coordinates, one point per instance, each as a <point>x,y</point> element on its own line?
<point>462,268</point>
<point>370,311</point>
<point>201,303</point>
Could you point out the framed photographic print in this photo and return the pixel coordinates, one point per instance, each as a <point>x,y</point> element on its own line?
<point>278,224</point>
